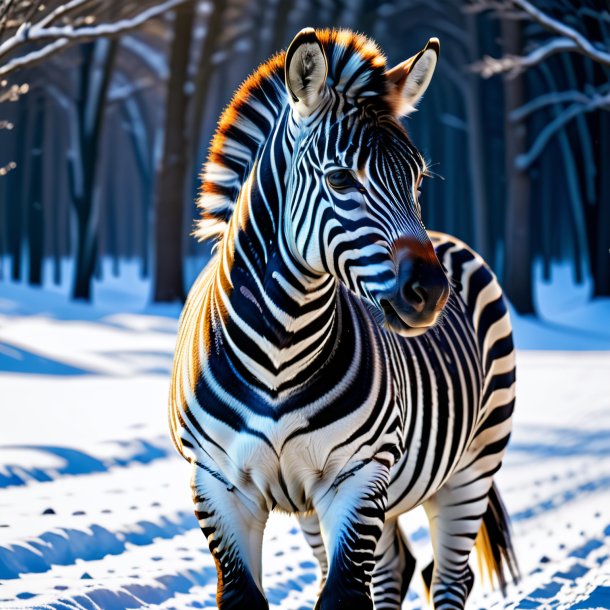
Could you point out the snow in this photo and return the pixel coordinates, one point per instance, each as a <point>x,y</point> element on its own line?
<point>567,317</point>
<point>95,508</point>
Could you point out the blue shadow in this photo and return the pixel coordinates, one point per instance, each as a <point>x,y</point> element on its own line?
<point>14,359</point>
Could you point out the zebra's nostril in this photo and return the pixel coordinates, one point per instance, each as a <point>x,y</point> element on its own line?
<point>421,292</point>
<point>415,294</point>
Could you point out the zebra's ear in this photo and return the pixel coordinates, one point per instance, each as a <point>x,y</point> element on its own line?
<point>412,77</point>
<point>306,69</point>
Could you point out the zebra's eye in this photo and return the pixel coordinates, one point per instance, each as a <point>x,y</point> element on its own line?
<point>341,179</point>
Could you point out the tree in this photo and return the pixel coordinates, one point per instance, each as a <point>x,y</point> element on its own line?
<point>54,26</point>
<point>94,78</point>
<point>35,215</point>
<point>570,56</point>
<point>169,278</point>
<point>31,32</point>
<point>517,277</point>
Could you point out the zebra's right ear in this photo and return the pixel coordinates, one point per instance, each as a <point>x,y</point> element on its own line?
<point>306,69</point>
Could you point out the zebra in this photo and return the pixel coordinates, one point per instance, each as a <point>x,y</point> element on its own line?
<point>334,359</point>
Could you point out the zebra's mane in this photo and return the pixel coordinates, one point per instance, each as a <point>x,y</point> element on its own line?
<point>356,67</point>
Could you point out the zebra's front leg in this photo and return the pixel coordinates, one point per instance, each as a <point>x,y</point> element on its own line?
<point>455,513</point>
<point>351,516</point>
<point>233,525</point>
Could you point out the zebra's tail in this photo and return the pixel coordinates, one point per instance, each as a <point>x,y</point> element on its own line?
<point>495,552</point>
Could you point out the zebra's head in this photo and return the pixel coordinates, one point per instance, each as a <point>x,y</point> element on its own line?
<point>352,207</point>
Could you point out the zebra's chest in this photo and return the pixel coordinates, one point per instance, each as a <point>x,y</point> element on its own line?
<point>287,473</point>
<point>288,446</point>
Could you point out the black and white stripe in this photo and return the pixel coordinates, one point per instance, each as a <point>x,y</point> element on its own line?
<point>314,371</point>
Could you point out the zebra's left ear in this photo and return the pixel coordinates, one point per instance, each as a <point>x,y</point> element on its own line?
<point>412,77</point>
<point>306,69</point>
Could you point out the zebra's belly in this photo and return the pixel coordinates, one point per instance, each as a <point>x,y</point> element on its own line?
<point>413,483</point>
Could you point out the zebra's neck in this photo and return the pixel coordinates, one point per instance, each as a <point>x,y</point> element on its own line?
<point>277,321</point>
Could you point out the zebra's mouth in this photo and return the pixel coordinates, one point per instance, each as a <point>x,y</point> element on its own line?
<point>409,327</point>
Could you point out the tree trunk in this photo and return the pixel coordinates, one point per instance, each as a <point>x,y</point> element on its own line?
<point>55,167</point>
<point>476,156</point>
<point>95,74</point>
<point>140,134</point>
<point>601,258</point>
<point>205,71</point>
<point>169,277</point>
<point>573,192</point>
<point>281,25</point>
<point>112,212</point>
<point>35,217</point>
<point>517,278</point>
<point>16,182</point>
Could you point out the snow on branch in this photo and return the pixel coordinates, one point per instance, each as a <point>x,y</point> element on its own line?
<point>5,169</point>
<point>566,39</point>
<point>13,92</point>
<point>515,64</point>
<point>58,38</point>
<point>583,45</point>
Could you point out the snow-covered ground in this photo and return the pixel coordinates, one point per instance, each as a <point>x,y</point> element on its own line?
<point>95,508</point>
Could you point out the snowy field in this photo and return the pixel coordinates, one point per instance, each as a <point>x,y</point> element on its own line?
<point>95,508</point>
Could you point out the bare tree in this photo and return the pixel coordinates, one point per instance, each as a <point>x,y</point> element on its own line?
<point>32,32</point>
<point>54,26</point>
<point>94,79</point>
<point>562,39</point>
<point>169,284</point>
<point>573,35</point>
<point>517,277</point>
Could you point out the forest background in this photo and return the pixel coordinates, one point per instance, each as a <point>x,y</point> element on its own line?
<point>107,109</point>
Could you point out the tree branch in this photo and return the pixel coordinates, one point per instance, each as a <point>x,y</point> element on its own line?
<point>65,36</point>
<point>548,99</point>
<point>516,64</point>
<point>12,93</point>
<point>557,27</point>
<point>525,160</point>
<point>567,40</point>
<point>64,10</point>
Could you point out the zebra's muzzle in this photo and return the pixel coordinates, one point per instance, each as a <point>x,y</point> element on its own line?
<point>420,292</point>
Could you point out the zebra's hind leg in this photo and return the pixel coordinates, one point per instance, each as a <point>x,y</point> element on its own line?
<point>352,513</point>
<point>455,513</point>
<point>310,526</point>
<point>233,525</point>
<point>394,567</point>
